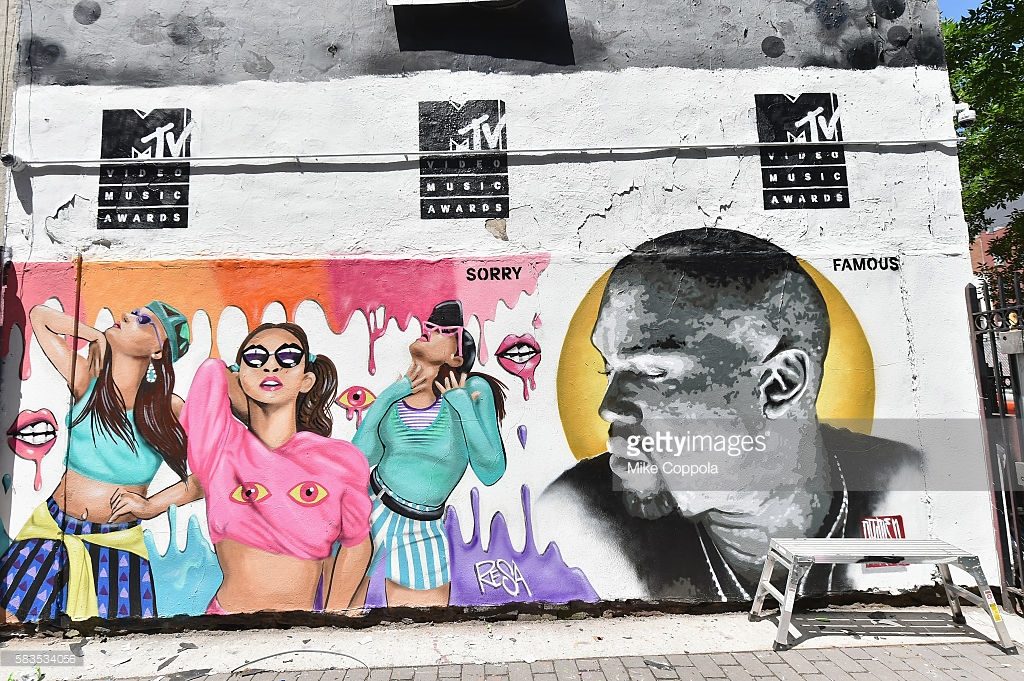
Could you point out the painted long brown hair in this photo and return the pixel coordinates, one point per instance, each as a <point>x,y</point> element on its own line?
<point>153,416</point>
<point>313,409</point>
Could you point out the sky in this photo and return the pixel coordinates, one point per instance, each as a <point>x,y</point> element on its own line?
<point>954,9</point>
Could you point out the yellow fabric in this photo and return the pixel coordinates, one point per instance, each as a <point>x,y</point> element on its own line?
<point>82,603</point>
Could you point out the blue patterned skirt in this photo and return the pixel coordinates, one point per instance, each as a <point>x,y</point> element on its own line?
<point>34,574</point>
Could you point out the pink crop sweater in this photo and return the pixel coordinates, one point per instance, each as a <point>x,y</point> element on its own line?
<point>296,500</point>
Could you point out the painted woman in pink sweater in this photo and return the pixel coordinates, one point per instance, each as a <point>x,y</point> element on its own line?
<point>279,490</point>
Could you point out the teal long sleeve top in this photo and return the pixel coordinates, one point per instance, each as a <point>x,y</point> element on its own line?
<point>424,466</point>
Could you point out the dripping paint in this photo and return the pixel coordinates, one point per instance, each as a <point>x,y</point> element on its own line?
<point>185,579</point>
<point>521,432</point>
<point>519,356</point>
<point>404,289</point>
<point>498,573</point>
<point>31,437</point>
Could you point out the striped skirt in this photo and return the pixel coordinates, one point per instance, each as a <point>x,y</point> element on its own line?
<point>34,574</point>
<point>416,550</point>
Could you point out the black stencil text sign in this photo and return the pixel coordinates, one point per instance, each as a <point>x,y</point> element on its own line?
<point>144,195</point>
<point>799,175</point>
<point>475,185</point>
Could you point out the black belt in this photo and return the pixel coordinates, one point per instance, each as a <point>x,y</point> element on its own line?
<point>397,506</point>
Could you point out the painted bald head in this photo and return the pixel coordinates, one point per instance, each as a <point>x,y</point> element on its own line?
<point>711,328</point>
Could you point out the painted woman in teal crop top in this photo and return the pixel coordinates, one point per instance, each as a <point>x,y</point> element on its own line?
<point>95,454</point>
<point>420,436</point>
<point>123,424</point>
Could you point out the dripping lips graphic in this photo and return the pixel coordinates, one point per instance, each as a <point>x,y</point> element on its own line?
<point>518,354</point>
<point>32,434</point>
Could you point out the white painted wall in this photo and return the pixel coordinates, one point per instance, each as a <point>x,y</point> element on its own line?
<point>586,213</point>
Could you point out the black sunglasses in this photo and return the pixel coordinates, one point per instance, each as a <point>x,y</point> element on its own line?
<point>288,355</point>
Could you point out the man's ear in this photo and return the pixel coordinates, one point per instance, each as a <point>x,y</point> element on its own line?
<point>455,361</point>
<point>308,381</point>
<point>159,354</point>
<point>783,382</point>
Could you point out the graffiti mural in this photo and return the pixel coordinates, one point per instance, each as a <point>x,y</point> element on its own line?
<point>482,304</point>
<point>713,344</point>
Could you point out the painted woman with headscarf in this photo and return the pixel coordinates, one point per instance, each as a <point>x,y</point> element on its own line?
<point>69,557</point>
<point>420,436</point>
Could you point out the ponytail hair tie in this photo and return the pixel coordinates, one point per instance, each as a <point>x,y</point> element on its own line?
<point>233,368</point>
<point>310,358</point>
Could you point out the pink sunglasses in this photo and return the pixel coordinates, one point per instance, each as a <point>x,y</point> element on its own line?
<point>429,328</point>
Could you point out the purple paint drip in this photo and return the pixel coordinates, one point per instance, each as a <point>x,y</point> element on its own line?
<point>521,432</point>
<point>499,574</point>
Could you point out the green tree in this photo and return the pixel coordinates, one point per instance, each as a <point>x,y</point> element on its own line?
<point>985,57</point>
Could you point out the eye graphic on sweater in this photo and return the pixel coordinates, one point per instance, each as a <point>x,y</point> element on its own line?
<point>250,493</point>
<point>308,493</point>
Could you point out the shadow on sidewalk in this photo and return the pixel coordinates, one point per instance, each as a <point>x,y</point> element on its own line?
<point>875,624</point>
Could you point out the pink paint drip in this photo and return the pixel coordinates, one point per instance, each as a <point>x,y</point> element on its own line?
<point>404,289</point>
<point>408,289</point>
<point>28,285</point>
<point>529,383</point>
<point>536,320</point>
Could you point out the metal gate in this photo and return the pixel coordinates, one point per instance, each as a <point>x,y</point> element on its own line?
<point>997,323</point>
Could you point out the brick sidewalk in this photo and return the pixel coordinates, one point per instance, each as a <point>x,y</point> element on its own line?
<point>969,661</point>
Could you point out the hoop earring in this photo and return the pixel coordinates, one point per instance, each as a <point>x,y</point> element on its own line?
<point>151,373</point>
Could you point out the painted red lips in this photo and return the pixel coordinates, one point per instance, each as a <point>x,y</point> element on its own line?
<point>32,436</point>
<point>520,355</point>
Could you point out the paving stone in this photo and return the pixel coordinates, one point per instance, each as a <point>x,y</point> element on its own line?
<point>592,676</point>
<point>707,667</point>
<point>495,677</point>
<point>450,671</point>
<point>640,673</point>
<point>737,674</point>
<point>310,676</point>
<point>471,672</point>
<point>588,665</point>
<point>879,670</point>
<point>679,660</point>
<point>813,654</point>
<point>613,669</point>
<point>566,670</point>
<point>752,665</point>
<point>380,674</point>
<point>402,673</point>
<point>492,669</point>
<point>544,667</point>
<point>857,653</point>
<point>519,671</point>
<point>723,659</point>
<point>546,676</point>
<point>633,661</point>
<point>767,656</point>
<point>798,662</point>
<point>785,672</point>
<point>976,670</point>
<point>689,674</point>
<point>360,674</point>
<point>425,674</point>
<point>661,673</point>
<point>842,661</point>
<point>831,671</point>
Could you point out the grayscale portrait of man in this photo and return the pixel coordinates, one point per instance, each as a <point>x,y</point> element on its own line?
<point>714,343</point>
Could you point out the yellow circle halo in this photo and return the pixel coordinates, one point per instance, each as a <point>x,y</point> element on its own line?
<point>846,398</point>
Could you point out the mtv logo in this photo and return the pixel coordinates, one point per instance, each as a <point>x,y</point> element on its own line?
<point>477,124</point>
<point>810,117</point>
<point>160,133</point>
